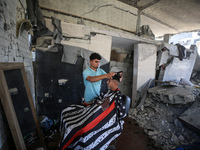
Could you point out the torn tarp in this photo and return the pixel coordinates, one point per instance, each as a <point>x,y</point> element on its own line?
<point>57,34</point>
<point>70,54</point>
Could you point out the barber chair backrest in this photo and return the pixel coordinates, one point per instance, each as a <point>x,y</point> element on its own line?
<point>127,103</point>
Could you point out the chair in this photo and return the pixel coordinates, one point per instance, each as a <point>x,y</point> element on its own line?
<point>127,106</point>
<point>127,103</point>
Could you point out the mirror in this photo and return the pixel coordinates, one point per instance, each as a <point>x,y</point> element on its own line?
<point>19,108</point>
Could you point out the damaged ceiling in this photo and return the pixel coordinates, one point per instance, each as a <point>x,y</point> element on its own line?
<point>168,16</point>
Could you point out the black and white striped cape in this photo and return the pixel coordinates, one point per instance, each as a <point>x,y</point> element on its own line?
<point>91,127</point>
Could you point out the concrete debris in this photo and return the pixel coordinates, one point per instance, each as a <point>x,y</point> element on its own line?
<point>195,78</point>
<point>62,81</point>
<point>197,64</point>
<point>13,91</point>
<point>173,50</point>
<point>161,122</point>
<point>177,68</point>
<point>191,117</point>
<point>142,92</point>
<point>171,94</point>
<point>175,62</point>
<point>185,82</point>
<point>146,32</point>
<point>45,43</point>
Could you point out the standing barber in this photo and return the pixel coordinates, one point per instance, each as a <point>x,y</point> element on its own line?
<point>92,78</point>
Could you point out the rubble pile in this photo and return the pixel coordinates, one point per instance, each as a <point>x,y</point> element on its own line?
<point>160,119</point>
<point>171,94</point>
<point>195,78</point>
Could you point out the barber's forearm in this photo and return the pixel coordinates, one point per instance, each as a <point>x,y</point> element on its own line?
<point>97,78</point>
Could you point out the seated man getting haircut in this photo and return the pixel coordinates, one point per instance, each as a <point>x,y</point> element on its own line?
<point>97,125</point>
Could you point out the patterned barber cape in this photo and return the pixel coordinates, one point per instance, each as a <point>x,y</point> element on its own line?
<point>94,126</point>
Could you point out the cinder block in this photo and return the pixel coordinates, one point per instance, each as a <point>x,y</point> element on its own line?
<point>122,69</point>
<point>127,64</point>
<point>120,64</point>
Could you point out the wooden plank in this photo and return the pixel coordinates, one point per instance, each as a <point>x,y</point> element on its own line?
<point>9,66</point>
<point>32,106</point>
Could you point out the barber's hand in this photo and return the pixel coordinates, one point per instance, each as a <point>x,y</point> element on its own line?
<point>110,75</point>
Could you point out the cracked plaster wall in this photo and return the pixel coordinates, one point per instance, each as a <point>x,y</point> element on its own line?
<point>111,12</point>
<point>146,63</point>
<point>13,49</point>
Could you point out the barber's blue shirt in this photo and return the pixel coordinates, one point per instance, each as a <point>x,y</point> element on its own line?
<point>92,89</point>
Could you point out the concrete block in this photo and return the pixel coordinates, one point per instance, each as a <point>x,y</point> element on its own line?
<point>113,63</point>
<point>164,57</point>
<point>125,64</point>
<point>122,69</point>
<point>197,63</point>
<point>120,64</point>
<point>191,117</point>
<point>173,50</point>
<point>171,94</point>
<point>179,69</point>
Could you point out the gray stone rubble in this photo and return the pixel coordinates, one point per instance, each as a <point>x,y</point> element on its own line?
<point>160,118</point>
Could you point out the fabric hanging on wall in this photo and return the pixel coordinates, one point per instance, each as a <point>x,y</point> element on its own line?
<point>57,34</point>
<point>70,54</point>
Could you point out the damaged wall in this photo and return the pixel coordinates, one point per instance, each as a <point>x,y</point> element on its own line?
<point>123,60</point>
<point>146,62</point>
<point>68,63</point>
<point>111,12</point>
<point>13,49</point>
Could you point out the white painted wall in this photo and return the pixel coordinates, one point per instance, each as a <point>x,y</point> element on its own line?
<point>146,63</point>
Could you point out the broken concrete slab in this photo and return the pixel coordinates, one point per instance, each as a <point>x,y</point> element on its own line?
<point>75,30</point>
<point>164,55</point>
<point>197,63</point>
<point>171,94</point>
<point>191,117</point>
<point>179,69</point>
<point>173,50</point>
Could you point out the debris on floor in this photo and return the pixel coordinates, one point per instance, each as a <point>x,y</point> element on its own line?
<point>159,115</point>
<point>51,133</point>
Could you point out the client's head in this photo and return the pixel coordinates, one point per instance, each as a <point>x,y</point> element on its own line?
<point>114,82</point>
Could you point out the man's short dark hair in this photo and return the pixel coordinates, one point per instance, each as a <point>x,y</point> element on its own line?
<point>95,56</point>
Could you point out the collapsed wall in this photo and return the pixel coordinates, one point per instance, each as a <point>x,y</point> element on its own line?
<point>168,107</point>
